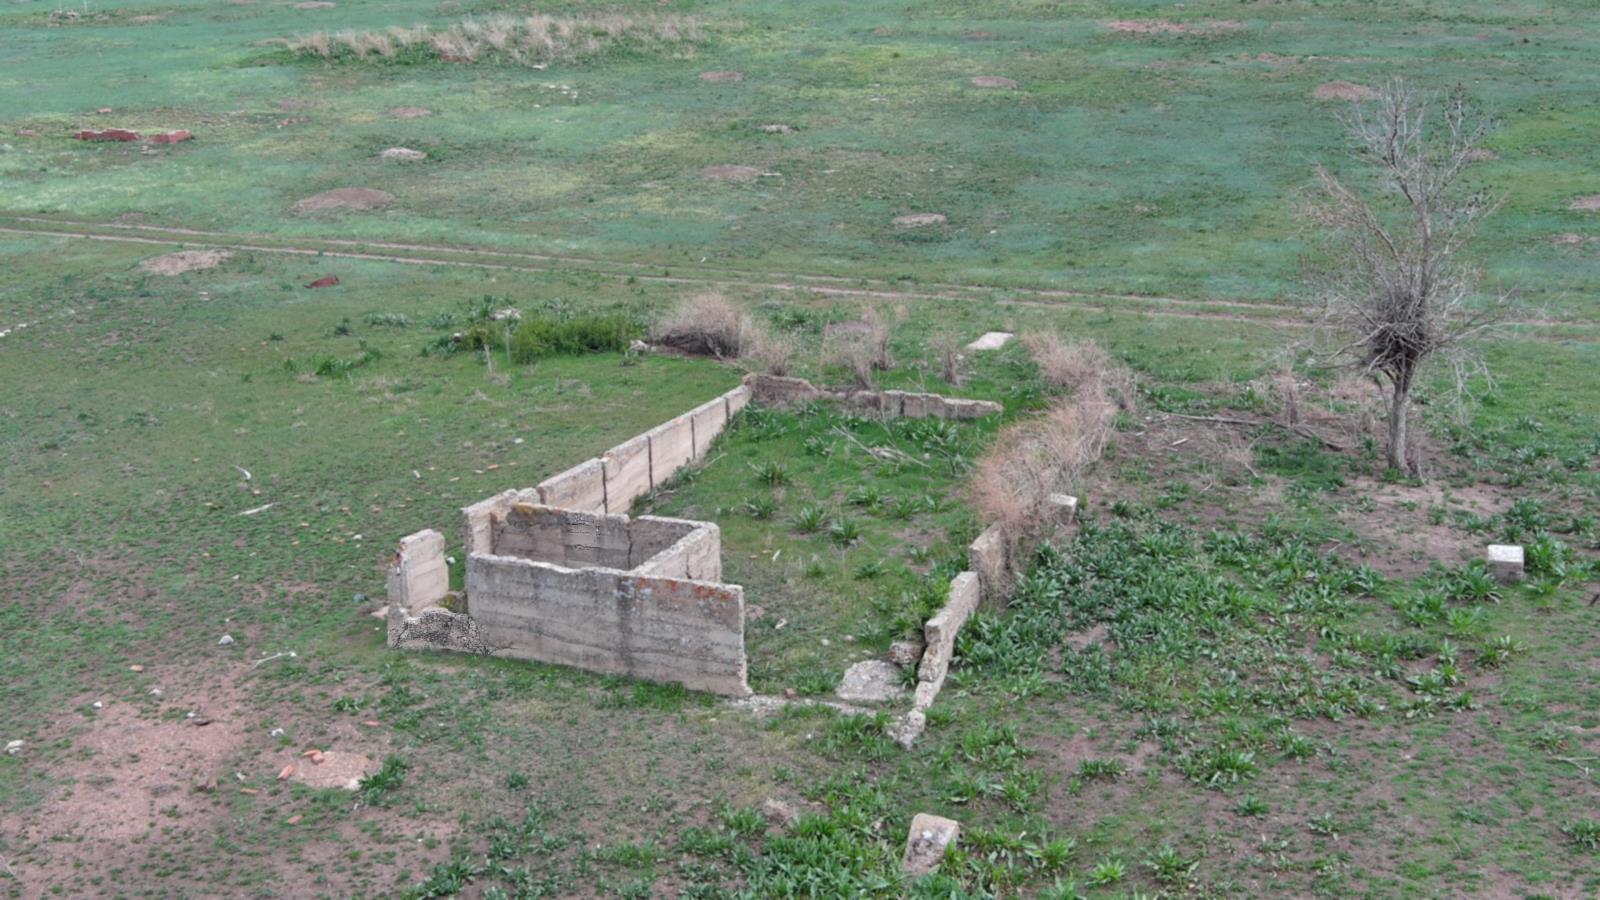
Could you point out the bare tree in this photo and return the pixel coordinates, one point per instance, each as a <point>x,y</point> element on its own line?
<point>1398,295</point>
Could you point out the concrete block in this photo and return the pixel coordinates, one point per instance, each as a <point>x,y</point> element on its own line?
<point>1505,562</point>
<point>939,632</point>
<point>582,487</point>
<point>737,399</point>
<point>960,408</point>
<point>1062,509</point>
<point>906,653</point>
<point>870,681</point>
<point>708,420</point>
<point>930,837</point>
<point>987,556</point>
<point>418,576</point>
<point>696,554</point>
<point>671,448</point>
<point>477,520</point>
<point>907,728</point>
<point>777,390</point>
<point>991,340</point>
<point>864,402</point>
<point>627,473</point>
<point>892,404</point>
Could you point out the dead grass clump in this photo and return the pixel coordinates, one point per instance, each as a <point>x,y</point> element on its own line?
<point>708,325</point>
<point>862,349</point>
<point>1081,368</point>
<point>770,353</point>
<point>1038,457</point>
<point>529,40</point>
<point>946,349</point>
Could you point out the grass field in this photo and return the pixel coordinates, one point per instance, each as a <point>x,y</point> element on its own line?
<point>1262,666</point>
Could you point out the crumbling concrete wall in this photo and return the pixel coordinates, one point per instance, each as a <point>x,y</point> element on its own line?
<point>773,390</point>
<point>477,520</point>
<point>655,628</point>
<point>563,536</point>
<point>693,549</point>
<point>987,555</point>
<point>708,420</point>
<point>434,628</point>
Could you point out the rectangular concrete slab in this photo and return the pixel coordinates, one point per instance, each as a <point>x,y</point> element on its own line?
<point>1505,562</point>
<point>582,487</point>
<point>627,472</point>
<point>708,421</point>
<point>991,340</point>
<point>419,576</point>
<point>737,399</point>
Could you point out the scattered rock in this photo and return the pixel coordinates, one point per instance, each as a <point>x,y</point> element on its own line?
<point>993,81</point>
<point>927,842</point>
<point>991,340</point>
<point>403,154</point>
<point>638,346</point>
<point>721,76</point>
<point>731,173</point>
<point>13,747</point>
<point>276,732</point>
<point>778,129</point>
<point>324,281</point>
<point>185,261</point>
<point>915,220</point>
<point>410,112</point>
<point>779,814</point>
<point>906,729</point>
<point>905,654</point>
<point>285,772</point>
<point>225,640</point>
<point>110,134</point>
<point>343,199</point>
<point>171,137</point>
<point>871,681</point>
<point>1590,203</point>
<point>1343,90</point>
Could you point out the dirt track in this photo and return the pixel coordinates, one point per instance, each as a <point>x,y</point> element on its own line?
<point>1273,314</point>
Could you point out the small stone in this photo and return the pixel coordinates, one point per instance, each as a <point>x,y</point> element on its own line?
<point>1505,562</point>
<point>638,346</point>
<point>917,220</point>
<point>276,732</point>
<point>906,729</point>
<point>225,640</point>
<point>293,820</point>
<point>790,693</point>
<point>136,668</point>
<point>403,154</point>
<point>906,653</point>
<point>325,281</point>
<point>155,692</point>
<point>13,747</point>
<point>1063,508</point>
<point>778,814</point>
<point>870,681</point>
<point>98,705</point>
<point>927,842</point>
<point>358,598</point>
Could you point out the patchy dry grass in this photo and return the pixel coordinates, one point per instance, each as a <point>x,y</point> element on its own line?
<point>528,40</point>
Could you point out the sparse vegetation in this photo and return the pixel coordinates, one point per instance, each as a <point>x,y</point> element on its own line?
<point>525,40</point>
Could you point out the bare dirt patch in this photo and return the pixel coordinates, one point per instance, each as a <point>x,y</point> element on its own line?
<point>315,4</point>
<point>185,261</point>
<point>717,77</point>
<point>410,112</point>
<point>730,173</point>
<point>403,154</point>
<point>345,199</point>
<point>993,81</point>
<point>778,128</point>
<point>1343,90</point>
<point>1570,239</point>
<point>1162,26</point>
<point>1590,203</point>
<point>1479,154</point>
<point>917,220</point>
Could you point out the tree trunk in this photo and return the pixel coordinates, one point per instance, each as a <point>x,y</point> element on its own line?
<point>1400,457</point>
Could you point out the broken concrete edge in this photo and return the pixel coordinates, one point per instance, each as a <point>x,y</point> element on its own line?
<point>783,391</point>
<point>988,556</point>
<point>434,628</point>
<point>928,840</point>
<point>419,576</point>
<point>939,641</point>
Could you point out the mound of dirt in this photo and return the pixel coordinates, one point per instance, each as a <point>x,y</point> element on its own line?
<point>1590,203</point>
<point>331,769</point>
<point>1162,26</point>
<point>403,154</point>
<point>914,220</point>
<point>345,199</point>
<point>410,112</point>
<point>992,81</point>
<point>721,76</point>
<point>1343,90</point>
<point>730,173</point>
<point>185,261</point>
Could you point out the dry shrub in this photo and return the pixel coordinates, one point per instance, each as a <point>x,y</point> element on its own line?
<point>529,40</point>
<point>1036,458</point>
<point>768,352</point>
<point>1082,368</point>
<point>708,324</point>
<point>862,350</point>
<point>946,348</point>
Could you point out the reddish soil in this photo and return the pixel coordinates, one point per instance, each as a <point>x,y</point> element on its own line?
<point>345,199</point>
<point>1343,90</point>
<point>185,261</point>
<point>1590,203</point>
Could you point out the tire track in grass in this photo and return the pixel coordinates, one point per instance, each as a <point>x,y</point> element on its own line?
<point>826,285</point>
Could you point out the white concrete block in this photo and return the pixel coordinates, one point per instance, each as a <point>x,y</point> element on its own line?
<point>1505,562</point>
<point>992,340</point>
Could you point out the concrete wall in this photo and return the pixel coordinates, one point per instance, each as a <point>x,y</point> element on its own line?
<point>418,576</point>
<point>654,628</point>
<point>694,553</point>
<point>708,420</point>
<point>627,473</point>
<point>581,487</point>
<point>987,556</point>
<point>671,448</point>
<point>477,520</point>
<point>772,390</point>
<point>562,536</point>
